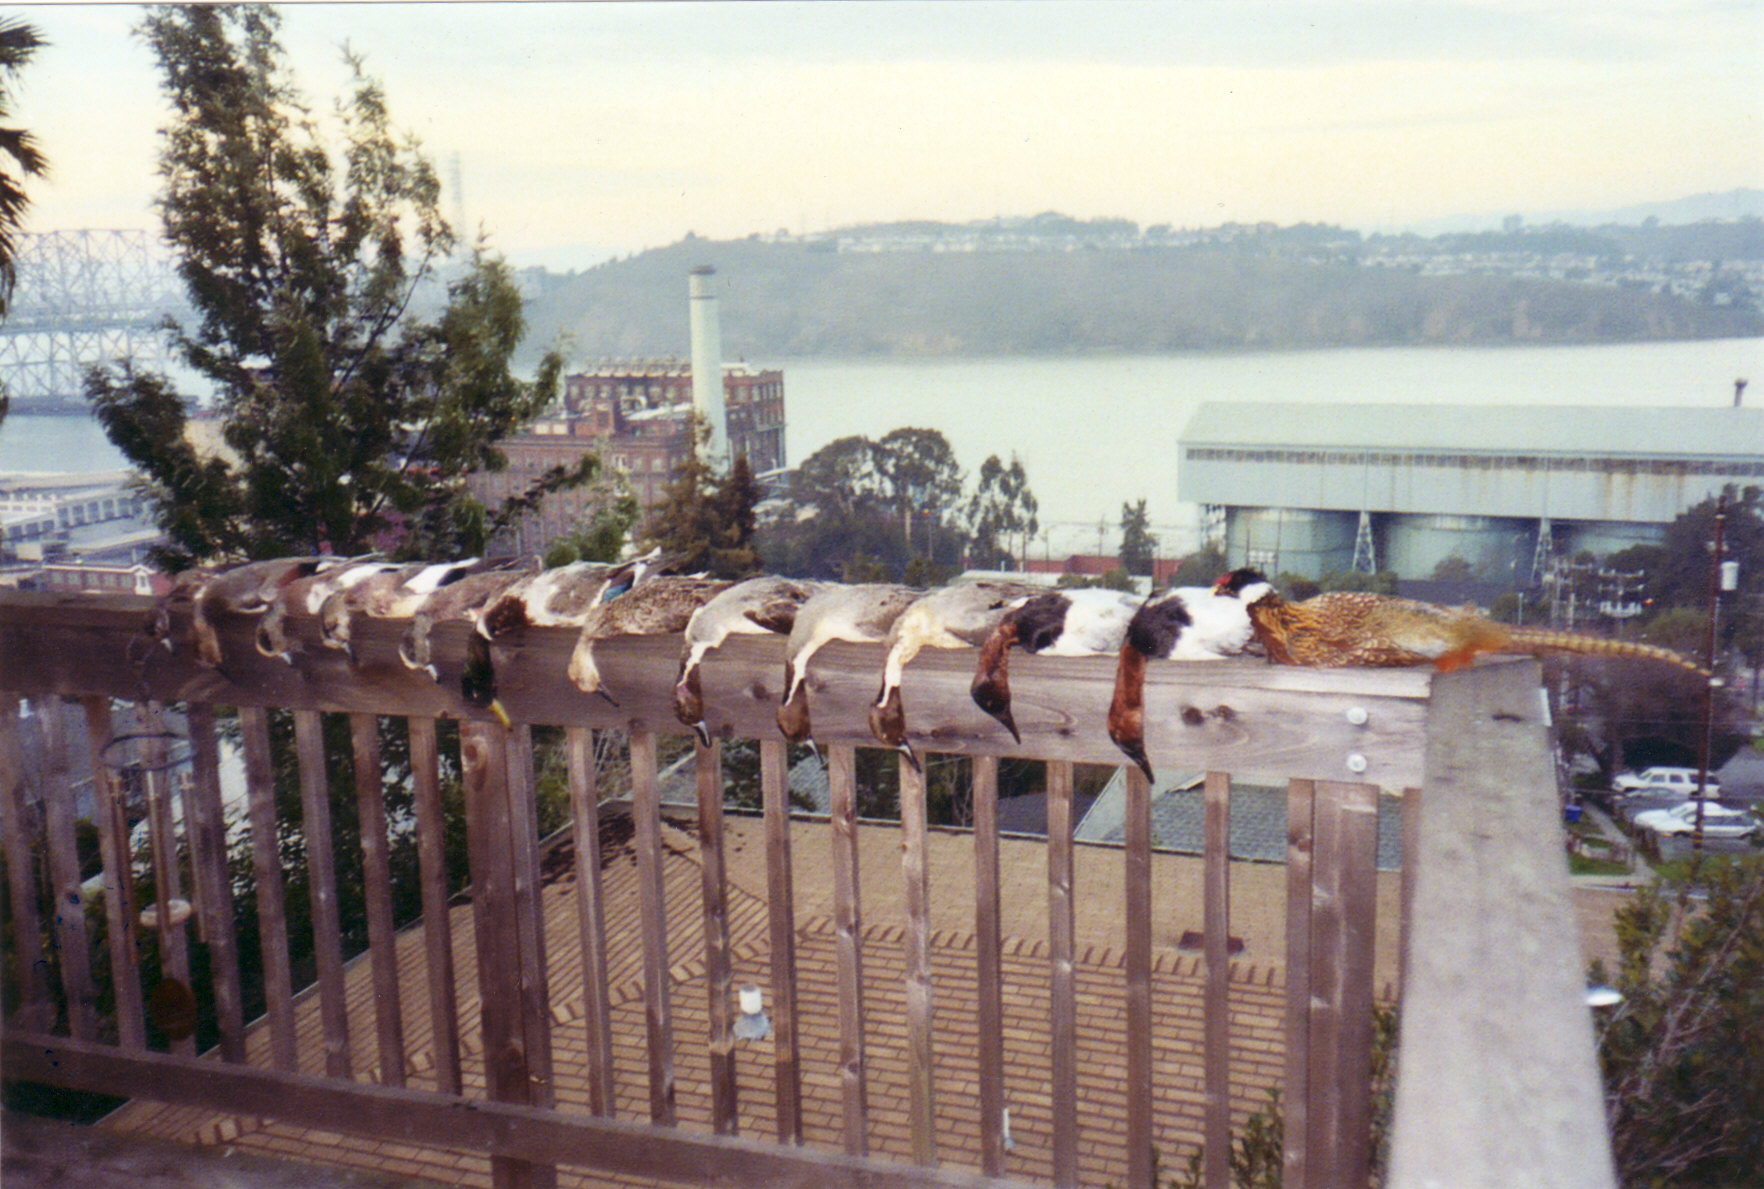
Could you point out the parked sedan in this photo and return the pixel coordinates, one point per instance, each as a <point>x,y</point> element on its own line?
<point>1656,781</point>
<point>1718,820</point>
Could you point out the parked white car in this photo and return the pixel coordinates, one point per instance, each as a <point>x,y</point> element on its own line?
<point>1718,820</point>
<point>1681,782</point>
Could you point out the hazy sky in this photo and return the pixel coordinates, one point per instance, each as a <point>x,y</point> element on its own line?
<point>612,127</point>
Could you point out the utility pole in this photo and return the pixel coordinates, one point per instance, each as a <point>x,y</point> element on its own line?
<point>1712,681</point>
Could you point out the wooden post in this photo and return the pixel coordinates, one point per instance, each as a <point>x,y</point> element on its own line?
<point>1301,798</point>
<point>321,875</point>
<point>173,942</point>
<point>535,994</point>
<point>988,966</point>
<point>921,1063</point>
<point>210,870</point>
<point>1137,885</point>
<point>119,880</point>
<point>781,931</point>
<point>652,908</point>
<point>725,1108</point>
<point>1497,1070</point>
<point>1216,911</point>
<point>492,853</point>
<point>67,908</point>
<point>266,867</point>
<point>848,930</point>
<point>425,777</point>
<point>591,919</point>
<point>376,878</point>
<point>36,1011</point>
<point>1062,939</point>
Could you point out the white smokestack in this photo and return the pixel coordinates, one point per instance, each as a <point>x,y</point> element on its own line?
<point>707,361</point>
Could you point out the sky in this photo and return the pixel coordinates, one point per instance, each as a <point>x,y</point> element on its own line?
<point>583,130</point>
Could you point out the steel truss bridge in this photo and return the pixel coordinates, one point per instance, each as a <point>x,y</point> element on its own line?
<point>83,299</point>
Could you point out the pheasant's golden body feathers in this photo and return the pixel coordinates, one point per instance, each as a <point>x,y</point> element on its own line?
<point>1342,628</point>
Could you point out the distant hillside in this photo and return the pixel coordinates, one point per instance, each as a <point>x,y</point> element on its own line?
<point>805,298</point>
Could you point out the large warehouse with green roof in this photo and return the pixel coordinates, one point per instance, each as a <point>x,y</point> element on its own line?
<point>1315,488</point>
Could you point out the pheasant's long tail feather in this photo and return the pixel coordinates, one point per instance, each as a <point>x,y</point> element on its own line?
<point>1540,640</point>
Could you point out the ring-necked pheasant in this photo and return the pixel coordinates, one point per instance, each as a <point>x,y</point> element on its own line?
<point>1347,628</point>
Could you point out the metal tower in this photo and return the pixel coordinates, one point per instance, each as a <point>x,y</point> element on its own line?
<point>84,298</point>
<point>1541,557</point>
<point>1365,555</point>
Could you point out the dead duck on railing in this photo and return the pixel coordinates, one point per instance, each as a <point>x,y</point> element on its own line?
<point>659,606</point>
<point>247,588</point>
<point>305,596</point>
<point>463,600</point>
<point>1183,623</point>
<point>561,596</point>
<point>394,594</point>
<point>753,606</point>
<point>958,616</point>
<point>1088,621</point>
<point>860,613</point>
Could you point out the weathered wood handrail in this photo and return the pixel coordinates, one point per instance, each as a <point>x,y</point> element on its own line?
<point>1332,737</point>
<point>1245,717</point>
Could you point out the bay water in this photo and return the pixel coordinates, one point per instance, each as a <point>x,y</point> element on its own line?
<point>1097,432</point>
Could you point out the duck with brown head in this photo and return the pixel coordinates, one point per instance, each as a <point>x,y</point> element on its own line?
<point>1084,622</point>
<point>958,616</point>
<point>1184,623</point>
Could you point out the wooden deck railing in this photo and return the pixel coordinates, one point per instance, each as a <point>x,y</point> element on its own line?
<point>1497,1076</point>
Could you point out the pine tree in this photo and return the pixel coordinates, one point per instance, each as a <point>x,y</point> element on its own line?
<point>346,423</point>
<point>1139,545</point>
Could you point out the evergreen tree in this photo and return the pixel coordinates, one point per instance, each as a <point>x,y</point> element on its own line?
<point>1139,545</point>
<point>708,521</point>
<point>347,423</point>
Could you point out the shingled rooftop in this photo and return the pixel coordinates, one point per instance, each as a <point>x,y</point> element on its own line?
<point>1256,995</point>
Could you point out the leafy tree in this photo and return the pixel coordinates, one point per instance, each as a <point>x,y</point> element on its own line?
<point>1000,513</point>
<point>922,477</point>
<point>1682,1054</point>
<point>1202,567</point>
<point>1384,582</point>
<point>836,520</point>
<point>1139,545</point>
<point>348,423</point>
<point>1453,569</point>
<point>603,535</point>
<point>19,43</point>
<point>1296,588</point>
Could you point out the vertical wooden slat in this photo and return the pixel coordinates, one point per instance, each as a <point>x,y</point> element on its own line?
<point>848,928</point>
<point>173,943</point>
<point>1137,882</point>
<point>484,764</point>
<point>209,868</point>
<point>1411,835</point>
<point>119,882</point>
<point>1217,931</point>
<point>67,909</point>
<point>36,1010</point>
<point>1296,1099</point>
<point>1357,893</point>
<point>533,995</point>
<point>1324,1121</point>
<point>725,1111</point>
<point>989,974</point>
<point>321,876</point>
<point>653,913</point>
<point>425,775</point>
<point>1062,944</point>
<point>781,929</point>
<point>591,914</point>
<point>376,878</point>
<point>921,1103</point>
<point>266,866</point>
